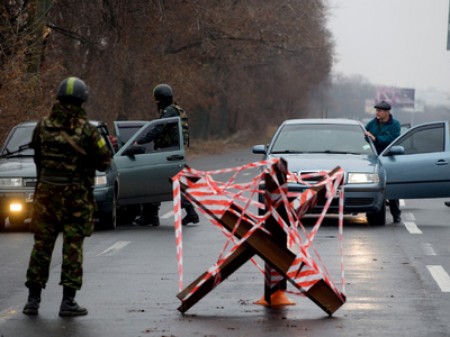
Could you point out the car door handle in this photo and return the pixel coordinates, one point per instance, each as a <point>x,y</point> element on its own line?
<point>175,157</point>
<point>442,162</point>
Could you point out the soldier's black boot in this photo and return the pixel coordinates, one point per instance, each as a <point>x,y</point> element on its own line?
<point>69,307</point>
<point>34,298</point>
<point>191,215</point>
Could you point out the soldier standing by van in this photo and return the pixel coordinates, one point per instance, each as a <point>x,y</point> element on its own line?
<point>68,151</point>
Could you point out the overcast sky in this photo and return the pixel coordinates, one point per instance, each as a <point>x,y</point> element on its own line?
<point>400,43</point>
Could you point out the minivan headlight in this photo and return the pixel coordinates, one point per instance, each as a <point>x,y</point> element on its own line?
<point>10,182</point>
<point>363,178</point>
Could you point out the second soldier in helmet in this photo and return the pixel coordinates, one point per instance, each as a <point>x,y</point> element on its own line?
<point>167,108</point>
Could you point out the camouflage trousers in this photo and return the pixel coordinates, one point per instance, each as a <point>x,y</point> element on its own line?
<point>57,210</point>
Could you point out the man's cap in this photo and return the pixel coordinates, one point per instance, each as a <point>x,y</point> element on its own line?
<point>382,105</point>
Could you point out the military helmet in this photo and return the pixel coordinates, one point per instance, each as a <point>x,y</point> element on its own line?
<point>72,90</point>
<point>163,92</point>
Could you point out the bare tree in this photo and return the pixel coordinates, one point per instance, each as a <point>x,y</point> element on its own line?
<point>23,37</point>
<point>236,66</point>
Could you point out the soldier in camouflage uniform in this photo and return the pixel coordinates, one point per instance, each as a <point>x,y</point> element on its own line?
<point>162,138</point>
<point>68,151</point>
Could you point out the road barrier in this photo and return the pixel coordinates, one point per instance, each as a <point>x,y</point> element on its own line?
<point>275,233</point>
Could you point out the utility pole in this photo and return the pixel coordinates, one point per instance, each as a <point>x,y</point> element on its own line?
<point>36,48</point>
<point>448,29</point>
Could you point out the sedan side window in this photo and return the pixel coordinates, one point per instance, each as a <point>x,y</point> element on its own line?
<point>424,140</point>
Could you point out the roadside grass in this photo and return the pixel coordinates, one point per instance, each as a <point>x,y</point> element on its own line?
<point>239,140</point>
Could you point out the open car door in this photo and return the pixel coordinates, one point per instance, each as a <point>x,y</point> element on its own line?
<point>418,163</point>
<point>145,171</point>
<point>124,130</point>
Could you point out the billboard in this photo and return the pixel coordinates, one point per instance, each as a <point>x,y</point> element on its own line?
<point>397,97</point>
<point>448,30</point>
<point>368,106</point>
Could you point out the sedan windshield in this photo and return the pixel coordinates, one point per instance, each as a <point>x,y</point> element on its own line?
<point>17,143</point>
<point>322,138</point>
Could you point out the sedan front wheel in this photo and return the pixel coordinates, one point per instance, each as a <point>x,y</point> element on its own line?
<point>108,220</point>
<point>378,218</point>
<point>16,220</point>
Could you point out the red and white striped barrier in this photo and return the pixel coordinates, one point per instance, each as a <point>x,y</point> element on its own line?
<point>217,197</point>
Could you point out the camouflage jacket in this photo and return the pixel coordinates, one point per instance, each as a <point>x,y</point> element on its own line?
<point>67,145</point>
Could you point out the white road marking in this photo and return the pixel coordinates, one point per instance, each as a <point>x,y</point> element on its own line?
<point>167,215</point>
<point>441,277</point>
<point>412,227</point>
<point>114,248</point>
<point>428,249</point>
<point>402,202</point>
<point>7,314</point>
<point>408,216</point>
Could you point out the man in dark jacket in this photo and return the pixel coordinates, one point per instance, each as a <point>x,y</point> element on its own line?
<point>382,130</point>
<point>161,137</point>
<point>68,151</point>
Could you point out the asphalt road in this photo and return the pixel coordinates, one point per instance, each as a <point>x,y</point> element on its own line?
<point>396,280</point>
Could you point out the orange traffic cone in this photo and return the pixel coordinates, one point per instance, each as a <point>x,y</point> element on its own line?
<point>277,299</point>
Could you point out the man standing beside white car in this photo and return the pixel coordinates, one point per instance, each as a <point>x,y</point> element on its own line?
<point>382,130</point>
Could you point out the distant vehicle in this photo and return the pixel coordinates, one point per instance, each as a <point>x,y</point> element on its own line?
<point>137,175</point>
<point>414,166</point>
